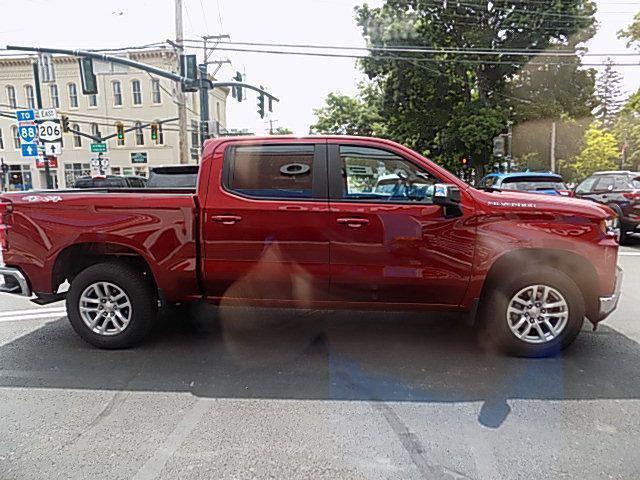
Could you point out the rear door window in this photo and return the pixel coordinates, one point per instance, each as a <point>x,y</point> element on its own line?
<point>604,184</point>
<point>271,171</point>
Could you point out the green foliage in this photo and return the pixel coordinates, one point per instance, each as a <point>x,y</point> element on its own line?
<point>610,101</point>
<point>451,105</point>
<point>627,131</point>
<point>600,152</point>
<point>632,33</point>
<point>345,115</point>
<point>282,131</point>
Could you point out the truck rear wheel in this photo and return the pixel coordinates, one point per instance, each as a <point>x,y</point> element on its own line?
<point>535,314</point>
<point>110,305</point>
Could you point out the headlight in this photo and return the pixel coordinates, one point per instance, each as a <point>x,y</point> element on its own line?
<point>610,227</point>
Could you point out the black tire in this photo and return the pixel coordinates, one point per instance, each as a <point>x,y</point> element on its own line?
<point>495,330</point>
<point>624,236</point>
<point>140,292</point>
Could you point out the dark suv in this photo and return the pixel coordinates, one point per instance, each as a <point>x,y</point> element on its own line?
<point>620,191</point>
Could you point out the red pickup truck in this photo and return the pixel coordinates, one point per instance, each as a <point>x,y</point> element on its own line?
<point>318,222</point>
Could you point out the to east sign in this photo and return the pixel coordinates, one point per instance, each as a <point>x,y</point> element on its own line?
<point>49,131</point>
<point>26,115</point>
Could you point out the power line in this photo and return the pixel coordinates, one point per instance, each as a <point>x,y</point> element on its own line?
<point>436,60</point>
<point>421,49</point>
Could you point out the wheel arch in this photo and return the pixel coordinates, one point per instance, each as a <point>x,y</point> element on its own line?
<point>77,257</point>
<point>575,266</point>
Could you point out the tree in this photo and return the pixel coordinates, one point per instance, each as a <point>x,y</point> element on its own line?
<point>282,131</point>
<point>627,131</point>
<point>600,152</point>
<point>610,97</point>
<point>632,33</point>
<point>449,103</point>
<point>345,115</point>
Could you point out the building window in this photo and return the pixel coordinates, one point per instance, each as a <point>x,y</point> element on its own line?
<point>93,100</point>
<point>28,92</point>
<point>77,139</point>
<point>20,178</point>
<point>11,96</point>
<point>137,93</point>
<point>73,95</point>
<point>115,170</point>
<point>55,96</point>
<point>155,91</point>
<point>139,134</point>
<point>117,93</point>
<point>140,171</point>
<point>73,171</point>
<point>16,137</point>
<point>1,140</point>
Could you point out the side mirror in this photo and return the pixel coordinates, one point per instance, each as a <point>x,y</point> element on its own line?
<point>447,196</point>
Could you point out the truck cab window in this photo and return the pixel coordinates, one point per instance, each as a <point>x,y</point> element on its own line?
<point>271,171</point>
<point>378,175</point>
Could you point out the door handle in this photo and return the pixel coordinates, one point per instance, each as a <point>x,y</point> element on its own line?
<point>226,219</point>
<point>353,222</point>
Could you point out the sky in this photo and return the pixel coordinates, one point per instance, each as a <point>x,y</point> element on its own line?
<point>302,83</point>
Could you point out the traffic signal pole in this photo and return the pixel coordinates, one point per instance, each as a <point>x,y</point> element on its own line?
<point>36,81</point>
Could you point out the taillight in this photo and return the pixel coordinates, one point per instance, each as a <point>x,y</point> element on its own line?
<point>633,196</point>
<point>5,221</point>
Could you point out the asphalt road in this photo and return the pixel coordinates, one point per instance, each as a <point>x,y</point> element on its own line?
<point>242,394</point>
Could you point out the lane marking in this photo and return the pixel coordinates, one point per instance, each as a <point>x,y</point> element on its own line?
<point>34,316</point>
<point>13,313</point>
<point>153,467</point>
<point>629,254</point>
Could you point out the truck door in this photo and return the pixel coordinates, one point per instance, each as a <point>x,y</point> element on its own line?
<point>265,223</point>
<point>389,242</point>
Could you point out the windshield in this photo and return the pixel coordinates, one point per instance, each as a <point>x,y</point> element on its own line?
<point>532,184</point>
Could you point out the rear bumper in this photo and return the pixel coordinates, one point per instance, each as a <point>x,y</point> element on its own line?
<point>13,281</point>
<point>608,304</point>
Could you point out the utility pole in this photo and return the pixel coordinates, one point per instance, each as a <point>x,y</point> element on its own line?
<point>181,98</point>
<point>553,146</point>
<point>510,145</point>
<point>36,81</point>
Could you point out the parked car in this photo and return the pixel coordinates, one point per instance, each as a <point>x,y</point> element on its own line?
<point>619,190</point>
<point>173,176</point>
<point>548,183</point>
<point>280,221</point>
<point>110,181</point>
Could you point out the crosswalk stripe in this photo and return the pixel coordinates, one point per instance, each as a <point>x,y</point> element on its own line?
<point>35,316</point>
<point>14,313</point>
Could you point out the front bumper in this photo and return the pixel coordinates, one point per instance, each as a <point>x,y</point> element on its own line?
<point>608,304</point>
<point>13,281</point>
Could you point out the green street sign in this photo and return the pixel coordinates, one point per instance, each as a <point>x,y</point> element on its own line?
<point>98,147</point>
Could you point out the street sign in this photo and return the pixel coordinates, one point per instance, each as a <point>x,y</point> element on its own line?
<point>52,149</point>
<point>29,150</point>
<point>25,115</point>
<point>28,133</point>
<point>98,147</point>
<point>48,114</point>
<point>53,162</point>
<point>138,157</point>
<point>50,131</point>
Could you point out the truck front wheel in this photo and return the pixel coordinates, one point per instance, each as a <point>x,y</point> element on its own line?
<point>110,305</point>
<point>533,314</point>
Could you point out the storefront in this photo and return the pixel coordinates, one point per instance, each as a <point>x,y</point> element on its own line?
<point>72,171</point>
<point>19,178</point>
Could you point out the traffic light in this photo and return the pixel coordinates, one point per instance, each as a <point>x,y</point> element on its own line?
<point>154,132</point>
<point>120,130</point>
<point>189,70</point>
<point>261,104</point>
<point>237,92</point>
<point>87,77</point>
<point>64,120</point>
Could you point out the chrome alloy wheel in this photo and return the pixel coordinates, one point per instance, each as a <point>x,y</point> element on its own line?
<point>537,314</point>
<point>105,308</point>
